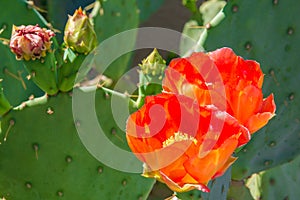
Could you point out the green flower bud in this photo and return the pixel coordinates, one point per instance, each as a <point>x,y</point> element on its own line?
<point>79,33</point>
<point>153,65</point>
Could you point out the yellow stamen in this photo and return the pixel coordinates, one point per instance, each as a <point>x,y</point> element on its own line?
<point>178,137</point>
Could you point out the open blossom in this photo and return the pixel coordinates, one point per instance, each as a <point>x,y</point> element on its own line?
<point>183,144</point>
<point>241,81</point>
<point>210,105</point>
<point>30,42</point>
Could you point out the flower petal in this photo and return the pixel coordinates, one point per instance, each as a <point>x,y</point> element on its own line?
<point>244,102</point>
<point>223,169</point>
<point>186,187</point>
<point>260,119</point>
<point>181,77</point>
<point>190,183</point>
<point>233,67</point>
<point>204,169</point>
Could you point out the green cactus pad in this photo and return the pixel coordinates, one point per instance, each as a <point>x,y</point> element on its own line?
<point>282,182</point>
<point>268,32</point>
<point>43,73</point>
<point>43,157</point>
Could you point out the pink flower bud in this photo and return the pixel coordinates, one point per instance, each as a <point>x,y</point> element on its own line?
<point>30,42</point>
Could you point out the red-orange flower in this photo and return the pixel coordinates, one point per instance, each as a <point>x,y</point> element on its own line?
<point>226,80</point>
<point>183,144</point>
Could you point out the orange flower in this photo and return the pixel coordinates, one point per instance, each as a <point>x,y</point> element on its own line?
<point>225,80</point>
<point>183,144</point>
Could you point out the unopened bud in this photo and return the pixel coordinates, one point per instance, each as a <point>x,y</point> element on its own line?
<point>79,33</point>
<point>153,65</point>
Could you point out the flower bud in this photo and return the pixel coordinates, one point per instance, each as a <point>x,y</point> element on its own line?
<point>30,42</point>
<point>153,65</point>
<point>80,35</point>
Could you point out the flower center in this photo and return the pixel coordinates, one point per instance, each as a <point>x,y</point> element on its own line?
<point>178,137</point>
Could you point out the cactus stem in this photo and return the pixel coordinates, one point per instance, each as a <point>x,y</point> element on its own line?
<point>18,77</point>
<point>11,124</point>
